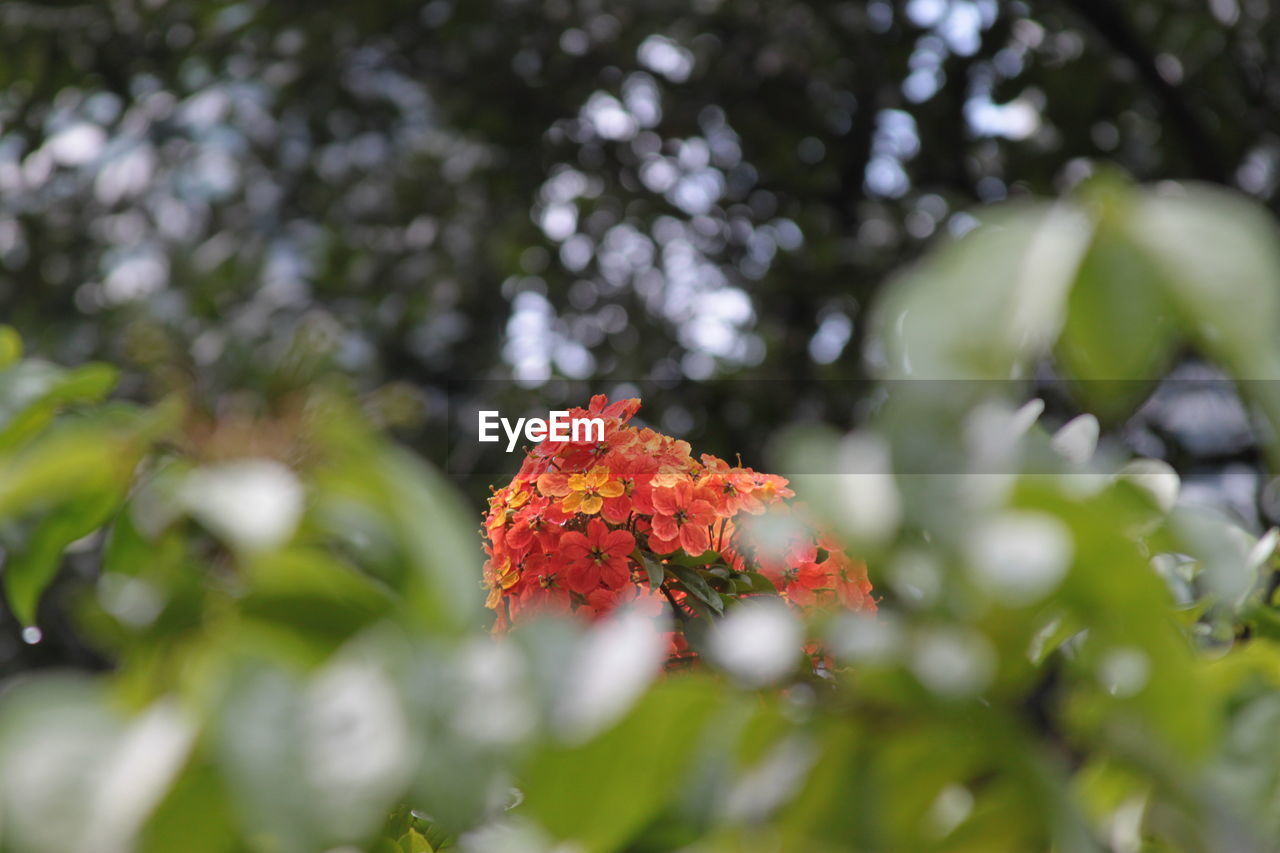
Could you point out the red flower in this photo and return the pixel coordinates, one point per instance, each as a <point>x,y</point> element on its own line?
<point>681,519</point>
<point>801,583</point>
<point>635,474</point>
<point>532,520</point>
<point>853,588</point>
<point>579,455</point>
<point>730,489</point>
<point>770,487</point>
<point>560,536</point>
<point>542,588</point>
<point>601,602</point>
<point>572,456</point>
<point>621,409</point>
<point>598,556</point>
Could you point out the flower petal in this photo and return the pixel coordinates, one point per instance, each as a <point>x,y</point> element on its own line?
<point>610,489</point>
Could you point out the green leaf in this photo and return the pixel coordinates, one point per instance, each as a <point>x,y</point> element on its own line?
<point>754,582</point>
<point>262,744</point>
<point>32,392</point>
<point>652,568</point>
<point>1263,621</point>
<point>22,386</point>
<point>1119,335</point>
<point>412,842</point>
<point>1051,636</point>
<point>126,550</point>
<point>30,569</point>
<point>697,586</point>
<point>1219,261</point>
<point>10,346</point>
<point>435,835</point>
<point>399,822</point>
<point>683,559</point>
<point>700,607</point>
<point>80,783</point>
<point>195,816</point>
<point>981,306</point>
<point>385,495</point>
<point>319,600</point>
<point>602,793</point>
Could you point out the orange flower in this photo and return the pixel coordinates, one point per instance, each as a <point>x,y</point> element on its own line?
<point>681,519</point>
<point>499,579</point>
<point>588,491</point>
<point>586,526</point>
<point>518,498</point>
<point>597,557</point>
<point>553,484</point>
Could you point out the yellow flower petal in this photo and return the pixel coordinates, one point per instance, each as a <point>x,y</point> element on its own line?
<point>611,489</point>
<point>591,505</point>
<point>570,504</point>
<point>667,477</point>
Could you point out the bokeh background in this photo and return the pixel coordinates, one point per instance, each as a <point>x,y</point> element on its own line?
<point>443,203</point>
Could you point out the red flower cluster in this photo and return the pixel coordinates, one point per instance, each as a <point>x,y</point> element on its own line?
<point>588,526</point>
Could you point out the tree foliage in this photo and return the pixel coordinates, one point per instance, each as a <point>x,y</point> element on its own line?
<point>1066,655</point>
<point>444,192</point>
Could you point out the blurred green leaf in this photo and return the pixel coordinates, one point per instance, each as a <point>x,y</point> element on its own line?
<point>312,595</point>
<point>1219,259</point>
<point>312,764</point>
<point>1118,337</point>
<point>32,392</point>
<point>386,497</point>
<point>30,570</point>
<point>10,346</point>
<point>194,816</point>
<point>1008,278</point>
<point>601,793</point>
<point>100,777</point>
<point>66,463</point>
